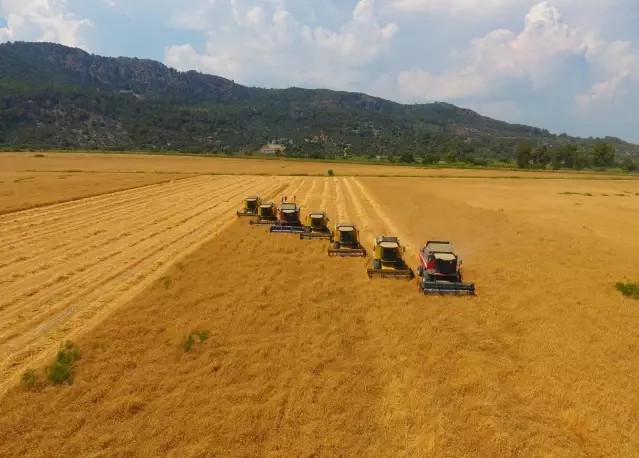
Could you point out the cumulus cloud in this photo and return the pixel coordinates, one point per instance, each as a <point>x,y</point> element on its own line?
<point>538,55</point>
<point>41,20</point>
<point>475,6</point>
<point>264,41</point>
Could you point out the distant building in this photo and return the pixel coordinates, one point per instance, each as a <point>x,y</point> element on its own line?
<point>272,149</point>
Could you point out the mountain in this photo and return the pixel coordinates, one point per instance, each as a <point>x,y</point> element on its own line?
<point>52,96</point>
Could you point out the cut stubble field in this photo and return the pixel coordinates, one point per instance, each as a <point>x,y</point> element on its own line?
<point>306,356</point>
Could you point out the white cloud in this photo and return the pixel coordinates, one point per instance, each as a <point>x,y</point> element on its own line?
<point>538,55</point>
<point>41,20</point>
<point>474,6</point>
<point>263,40</point>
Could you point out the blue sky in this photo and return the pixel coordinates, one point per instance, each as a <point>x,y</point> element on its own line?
<point>565,65</point>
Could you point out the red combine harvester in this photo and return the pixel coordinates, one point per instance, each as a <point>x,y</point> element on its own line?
<point>440,270</point>
<point>288,219</point>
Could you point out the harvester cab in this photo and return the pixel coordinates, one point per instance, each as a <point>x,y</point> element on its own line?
<point>251,205</point>
<point>266,214</point>
<point>345,241</point>
<point>440,270</point>
<point>388,261</point>
<point>316,226</point>
<point>288,219</point>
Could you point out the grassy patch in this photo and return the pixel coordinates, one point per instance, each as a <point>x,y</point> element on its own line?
<point>190,340</point>
<point>29,380</point>
<point>629,289</point>
<point>61,370</point>
<point>188,343</point>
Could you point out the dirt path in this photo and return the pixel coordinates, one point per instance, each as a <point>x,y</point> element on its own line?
<point>81,260</point>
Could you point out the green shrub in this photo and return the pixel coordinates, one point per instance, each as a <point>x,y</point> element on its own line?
<point>331,172</point>
<point>62,369</point>
<point>188,342</point>
<point>629,289</point>
<point>29,379</point>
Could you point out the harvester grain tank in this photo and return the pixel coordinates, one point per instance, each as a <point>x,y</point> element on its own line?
<point>266,214</point>
<point>388,261</point>
<point>251,204</point>
<point>345,241</point>
<point>316,226</point>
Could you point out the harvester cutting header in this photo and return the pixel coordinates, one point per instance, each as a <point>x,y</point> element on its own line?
<point>439,271</point>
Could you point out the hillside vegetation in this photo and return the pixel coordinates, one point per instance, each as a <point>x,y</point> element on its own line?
<point>52,96</point>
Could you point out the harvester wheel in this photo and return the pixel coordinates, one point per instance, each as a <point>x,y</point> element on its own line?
<point>336,245</point>
<point>377,264</point>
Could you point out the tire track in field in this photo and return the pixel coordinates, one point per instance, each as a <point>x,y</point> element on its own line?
<point>325,195</point>
<point>40,321</point>
<point>359,213</point>
<point>56,292</point>
<point>87,256</point>
<point>290,386</point>
<point>40,214</point>
<point>384,222</point>
<point>340,202</point>
<point>91,240</point>
<point>75,220</point>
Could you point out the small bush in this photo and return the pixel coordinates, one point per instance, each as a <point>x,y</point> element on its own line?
<point>331,172</point>
<point>629,289</point>
<point>188,342</point>
<point>62,369</point>
<point>29,379</point>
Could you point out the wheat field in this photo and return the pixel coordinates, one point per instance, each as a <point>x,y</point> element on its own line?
<point>307,356</point>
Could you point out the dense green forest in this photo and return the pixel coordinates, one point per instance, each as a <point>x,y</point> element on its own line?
<point>55,97</point>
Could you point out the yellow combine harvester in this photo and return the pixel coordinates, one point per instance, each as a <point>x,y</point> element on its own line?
<point>266,214</point>
<point>388,261</point>
<point>316,226</point>
<point>345,241</point>
<point>251,204</point>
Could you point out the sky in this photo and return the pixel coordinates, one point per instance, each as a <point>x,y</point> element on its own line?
<point>566,65</point>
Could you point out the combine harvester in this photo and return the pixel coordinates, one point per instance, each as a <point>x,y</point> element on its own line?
<point>440,270</point>
<point>388,261</point>
<point>266,215</point>
<point>345,241</point>
<point>288,219</point>
<point>251,204</point>
<point>316,226</point>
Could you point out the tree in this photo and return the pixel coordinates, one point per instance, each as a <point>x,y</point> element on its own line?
<point>430,158</point>
<point>628,165</point>
<point>523,154</point>
<point>450,157</point>
<point>603,155</point>
<point>407,158</point>
<point>541,156</point>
